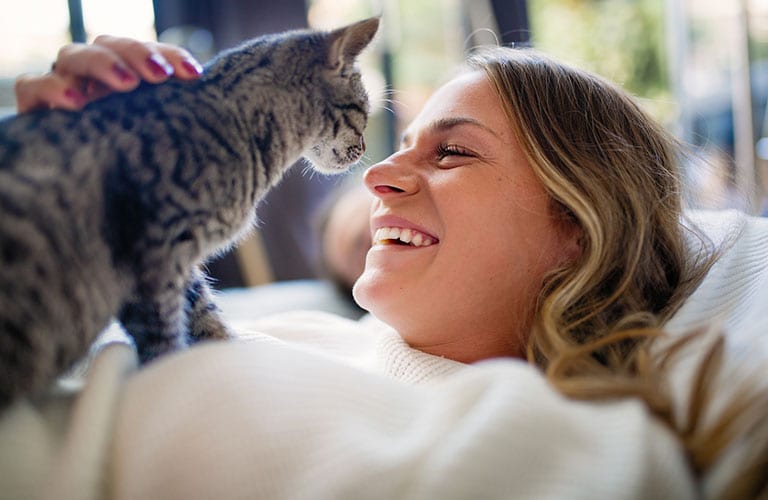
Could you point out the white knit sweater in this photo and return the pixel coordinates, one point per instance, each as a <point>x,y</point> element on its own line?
<point>324,407</point>
<point>265,418</point>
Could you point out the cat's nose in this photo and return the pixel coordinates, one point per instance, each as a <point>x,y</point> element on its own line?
<point>362,143</point>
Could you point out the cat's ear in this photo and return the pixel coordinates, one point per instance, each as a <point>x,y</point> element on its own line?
<point>345,44</point>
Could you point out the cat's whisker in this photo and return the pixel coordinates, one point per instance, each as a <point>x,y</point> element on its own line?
<point>307,169</point>
<point>387,108</point>
<point>390,100</point>
<point>387,99</point>
<point>388,105</point>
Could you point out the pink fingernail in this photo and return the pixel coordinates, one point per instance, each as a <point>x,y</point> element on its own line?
<point>123,73</point>
<point>75,96</point>
<point>159,66</point>
<point>192,67</point>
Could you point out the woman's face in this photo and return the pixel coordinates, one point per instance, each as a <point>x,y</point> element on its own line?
<point>478,224</point>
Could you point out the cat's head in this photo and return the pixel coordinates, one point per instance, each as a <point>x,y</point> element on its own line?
<point>312,81</point>
<point>346,104</point>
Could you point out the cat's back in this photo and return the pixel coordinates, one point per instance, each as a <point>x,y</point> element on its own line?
<point>48,169</point>
<point>55,271</point>
<point>41,137</point>
<point>54,164</point>
<point>48,138</point>
<point>51,201</point>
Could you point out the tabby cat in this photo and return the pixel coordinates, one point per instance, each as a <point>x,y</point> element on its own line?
<point>109,212</point>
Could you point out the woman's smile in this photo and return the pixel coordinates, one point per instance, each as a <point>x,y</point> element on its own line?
<point>394,230</point>
<point>462,229</point>
<point>402,236</point>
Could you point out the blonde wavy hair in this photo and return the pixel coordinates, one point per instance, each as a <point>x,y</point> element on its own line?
<point>613,171</point>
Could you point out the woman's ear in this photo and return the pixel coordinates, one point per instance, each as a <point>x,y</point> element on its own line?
<point>346,43</point>
<point>573,245</point>
<point>571,233</point>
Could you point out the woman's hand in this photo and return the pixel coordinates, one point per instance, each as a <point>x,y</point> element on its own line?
<point>83,73</point>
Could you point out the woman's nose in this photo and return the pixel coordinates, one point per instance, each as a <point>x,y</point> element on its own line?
<point>391,177</point>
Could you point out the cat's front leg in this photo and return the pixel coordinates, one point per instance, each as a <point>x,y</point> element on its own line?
<point>204,317</point>
<point>156,319</point>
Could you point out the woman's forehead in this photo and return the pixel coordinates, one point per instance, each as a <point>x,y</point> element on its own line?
<point>467,98</point>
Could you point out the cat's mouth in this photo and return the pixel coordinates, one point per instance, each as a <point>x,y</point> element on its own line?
<point>334,160</point>
<point>351,154</point>
<point>347,157</point>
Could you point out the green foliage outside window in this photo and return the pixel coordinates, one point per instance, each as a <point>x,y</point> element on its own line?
<point>623,40</point>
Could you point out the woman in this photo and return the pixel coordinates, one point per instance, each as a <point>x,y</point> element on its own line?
<point>533,211</point>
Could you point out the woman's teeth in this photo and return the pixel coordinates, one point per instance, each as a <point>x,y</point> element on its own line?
<point>398,235</point>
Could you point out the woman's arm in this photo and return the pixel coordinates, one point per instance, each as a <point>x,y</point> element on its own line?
<point>85,72</point>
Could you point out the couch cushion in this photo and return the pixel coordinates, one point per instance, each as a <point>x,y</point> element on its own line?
<point>735,291</point>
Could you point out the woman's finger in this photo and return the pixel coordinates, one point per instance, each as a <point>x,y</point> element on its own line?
<point>153,61</point>
<point>139,57</point>
<point>83,73</point>
<point>185,66</point>
<point>95,62</point>
<point>47,91</point>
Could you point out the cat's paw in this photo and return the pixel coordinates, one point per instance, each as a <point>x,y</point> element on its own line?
<point>149,351</point>
<point>209,327</point>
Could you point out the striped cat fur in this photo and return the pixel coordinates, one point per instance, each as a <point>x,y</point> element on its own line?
<point>110,212</point>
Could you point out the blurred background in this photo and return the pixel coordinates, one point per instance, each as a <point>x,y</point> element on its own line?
<point>699,66</point>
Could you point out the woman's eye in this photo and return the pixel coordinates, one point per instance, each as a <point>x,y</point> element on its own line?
<point>445,150</point>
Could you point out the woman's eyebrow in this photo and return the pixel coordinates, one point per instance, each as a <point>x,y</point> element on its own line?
<point>443,124</point>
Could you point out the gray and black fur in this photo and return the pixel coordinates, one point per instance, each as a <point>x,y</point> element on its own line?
<point>109,212</point>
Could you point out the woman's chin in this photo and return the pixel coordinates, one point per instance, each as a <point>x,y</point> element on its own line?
<point>361,292</point>
<point>375,295</point>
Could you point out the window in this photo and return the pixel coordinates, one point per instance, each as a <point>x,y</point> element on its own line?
<point>32,31</point>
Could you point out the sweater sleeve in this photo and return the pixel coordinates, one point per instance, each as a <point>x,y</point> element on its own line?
<point>238,420</point>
